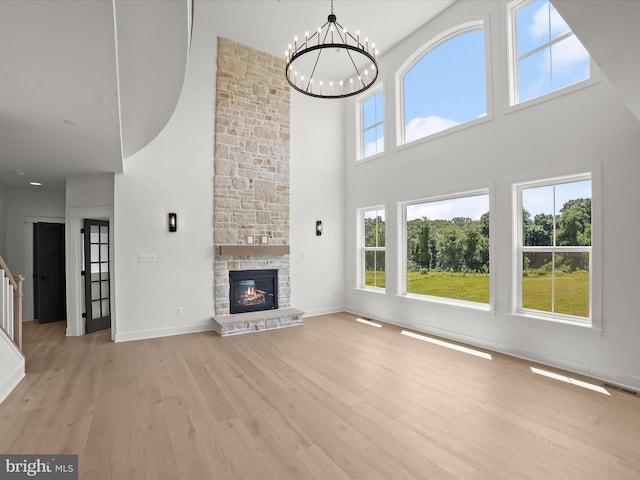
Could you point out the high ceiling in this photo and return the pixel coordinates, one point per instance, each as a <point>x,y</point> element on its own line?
<point>69,105</point>
<point>66,110</point>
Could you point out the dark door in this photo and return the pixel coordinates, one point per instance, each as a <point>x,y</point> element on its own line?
<point>97,287</point>
<point>49,282</point>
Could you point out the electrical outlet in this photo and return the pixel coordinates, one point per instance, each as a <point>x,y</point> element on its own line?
<point>179,311</point>
<point>146,257</point>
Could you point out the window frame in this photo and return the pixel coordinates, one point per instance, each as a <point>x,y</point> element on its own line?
<point>594,321</point>
<point>465,304</point>
<point>512,103</point>
<point>360,128</point>
<point>363,249</point>
<point>440,39</point>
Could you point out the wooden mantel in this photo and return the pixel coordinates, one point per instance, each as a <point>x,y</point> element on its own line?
<point>249,250</point>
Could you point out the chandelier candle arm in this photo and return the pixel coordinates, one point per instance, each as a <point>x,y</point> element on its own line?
<point>334,56</point>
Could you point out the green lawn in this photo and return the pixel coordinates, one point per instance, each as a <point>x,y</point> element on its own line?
<point>571,294</point>
<point>473,287</point>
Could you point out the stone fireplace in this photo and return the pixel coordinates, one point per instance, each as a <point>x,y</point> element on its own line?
<point>251,174</point>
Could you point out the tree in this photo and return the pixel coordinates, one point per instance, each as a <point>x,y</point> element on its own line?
<point>450,249</point>
<point>574,223</point>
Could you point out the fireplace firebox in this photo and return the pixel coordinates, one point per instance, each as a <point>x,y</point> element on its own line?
<point>253,290</point>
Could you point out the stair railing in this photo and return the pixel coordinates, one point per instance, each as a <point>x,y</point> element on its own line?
<point>11,304</point>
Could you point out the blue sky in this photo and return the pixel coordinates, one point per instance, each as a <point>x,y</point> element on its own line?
<point>469,207</point>
<point>541,199</point>
<point>447,87</point>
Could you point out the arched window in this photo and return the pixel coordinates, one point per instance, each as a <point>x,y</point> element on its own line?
<point>445,84</point>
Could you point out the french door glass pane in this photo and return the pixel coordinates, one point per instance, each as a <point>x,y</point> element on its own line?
<point>95,290</point>
<point>95,309</point>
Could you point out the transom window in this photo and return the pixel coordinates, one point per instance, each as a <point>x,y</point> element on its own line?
<point>448,248</point>
<point>554,248</point>
<point>545,54</point>
<point>373,248</point>
<point>446,86</point>
<point>372,121</point>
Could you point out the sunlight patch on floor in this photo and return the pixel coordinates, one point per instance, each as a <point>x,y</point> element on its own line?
<point>368,322</point>
<point>452,346</point>
<point>572,381</point>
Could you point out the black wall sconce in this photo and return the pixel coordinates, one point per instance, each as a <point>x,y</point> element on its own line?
<point>173,222</point>
<point>319,228</point>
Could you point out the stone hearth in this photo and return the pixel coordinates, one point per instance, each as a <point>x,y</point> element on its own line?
<point>239,323</point>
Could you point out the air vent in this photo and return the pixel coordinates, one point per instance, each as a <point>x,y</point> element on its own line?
<point>626,391</point>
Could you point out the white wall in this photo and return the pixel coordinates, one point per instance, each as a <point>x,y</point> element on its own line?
<point>317,193</point>
<point>24,206</point>
<point>174,173</point>
<point>587,127</point>
<point>3,230</point>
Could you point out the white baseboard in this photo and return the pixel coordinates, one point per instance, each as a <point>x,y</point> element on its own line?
<point>323,311</point>
<point>164,332</point>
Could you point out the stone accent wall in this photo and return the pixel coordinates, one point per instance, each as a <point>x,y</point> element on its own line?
<point>251,163</point>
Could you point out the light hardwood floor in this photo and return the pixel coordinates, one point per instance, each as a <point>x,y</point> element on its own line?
<point>333,399</point>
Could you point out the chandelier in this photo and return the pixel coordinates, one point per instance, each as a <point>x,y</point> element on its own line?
<point>331,62</point>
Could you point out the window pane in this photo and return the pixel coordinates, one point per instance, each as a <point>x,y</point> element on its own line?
<point>558,26</point>
<point>571,296</point>
<point>379,98</point>
<point>104,290</point>
<point>447,87</point>
<point>532,26</point>
<point>569,63</point>
<point>372,125</point>
<point>369,112</point>
<point>374,273</point>
<point>537,281</point>
<point>537,216</point>
<point>573,212</point>
<point>95,289</point>
<point>448,248</point>
<point>374,231</point>
<point>373,141</point>
<point>534,75</point>
<point>95,309</point>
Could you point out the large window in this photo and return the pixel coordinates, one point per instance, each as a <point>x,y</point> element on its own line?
<point>446,86</point>
<point>554,248</point>
<point>447,252</point>
<point>372,121</point>
<point>373,251</point>
<point>545,54</point>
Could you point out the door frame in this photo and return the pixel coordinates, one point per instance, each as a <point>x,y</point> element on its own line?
<point>75,282</point>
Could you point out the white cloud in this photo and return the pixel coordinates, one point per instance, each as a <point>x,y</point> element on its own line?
<point>373,148</point>
<point>567,54</point>
<point>467,207</point>
<point>540,26</point>
<point>422,126</point>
